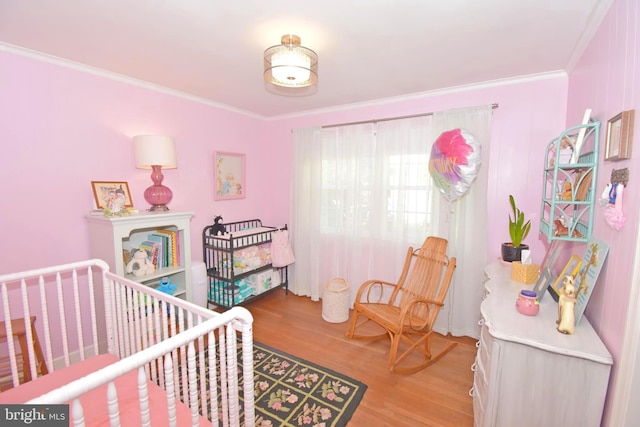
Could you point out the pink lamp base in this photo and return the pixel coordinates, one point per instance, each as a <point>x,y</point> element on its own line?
<point>158,196</point>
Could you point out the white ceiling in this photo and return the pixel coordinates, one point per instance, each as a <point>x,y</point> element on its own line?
<point>368,49</point>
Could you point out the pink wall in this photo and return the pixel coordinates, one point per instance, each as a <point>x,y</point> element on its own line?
<point>607,79</point>
<point>62,128</point>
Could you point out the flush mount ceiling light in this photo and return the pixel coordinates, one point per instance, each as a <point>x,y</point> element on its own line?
<point>289,64</point>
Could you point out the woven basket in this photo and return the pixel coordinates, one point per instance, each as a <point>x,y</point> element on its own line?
<point>525,273</point>
<point>335,301</point>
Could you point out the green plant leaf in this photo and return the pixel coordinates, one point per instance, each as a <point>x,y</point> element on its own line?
<point>518,229</point>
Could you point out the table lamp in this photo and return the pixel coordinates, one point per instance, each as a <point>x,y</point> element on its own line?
<point>155,152</point>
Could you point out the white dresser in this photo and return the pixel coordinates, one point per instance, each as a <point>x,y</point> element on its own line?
<point>527,374</point>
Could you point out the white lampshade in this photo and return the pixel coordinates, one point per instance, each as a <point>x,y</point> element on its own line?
<point>154,150</point>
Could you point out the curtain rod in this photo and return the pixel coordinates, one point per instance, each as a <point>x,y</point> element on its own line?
<point>493,106</point>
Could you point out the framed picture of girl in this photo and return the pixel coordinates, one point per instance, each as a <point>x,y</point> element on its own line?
<point>229,179</point>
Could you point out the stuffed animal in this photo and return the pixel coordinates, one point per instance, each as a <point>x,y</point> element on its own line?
<point>567,191</point>
<point>566,306</point>
<point>218,228</point>
<point>140,263</point>
<point>166,286</point>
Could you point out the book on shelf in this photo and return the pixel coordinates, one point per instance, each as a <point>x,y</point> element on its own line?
<point>163,242</point>
<point>152,249</point>
<point>173,246</point>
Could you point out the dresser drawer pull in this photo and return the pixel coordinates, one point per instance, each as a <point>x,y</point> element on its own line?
<point>472,391</point>
<point>478,344</point>
<point>474,366</point>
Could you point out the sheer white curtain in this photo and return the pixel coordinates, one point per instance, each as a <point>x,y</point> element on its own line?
<point>362,194</point>
<point>466,229</point>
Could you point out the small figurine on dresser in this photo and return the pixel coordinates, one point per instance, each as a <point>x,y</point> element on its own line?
<point>566,306</point>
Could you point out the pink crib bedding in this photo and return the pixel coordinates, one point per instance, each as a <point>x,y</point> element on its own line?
<point>94,402</point>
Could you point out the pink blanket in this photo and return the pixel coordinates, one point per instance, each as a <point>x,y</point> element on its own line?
<point>94,403</point>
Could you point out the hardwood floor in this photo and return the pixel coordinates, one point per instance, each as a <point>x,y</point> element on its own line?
<point>435,396</point>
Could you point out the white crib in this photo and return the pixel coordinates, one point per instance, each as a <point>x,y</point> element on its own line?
<point>105,339</point>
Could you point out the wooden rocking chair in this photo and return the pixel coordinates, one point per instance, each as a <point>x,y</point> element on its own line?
<point>408,314</point>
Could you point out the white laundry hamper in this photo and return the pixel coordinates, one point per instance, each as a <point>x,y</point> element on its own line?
<point>200,283</point>
<point>335,301</point>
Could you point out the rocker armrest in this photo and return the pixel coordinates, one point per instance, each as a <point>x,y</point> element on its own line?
<point>367,287</point>
<point>406,313</point>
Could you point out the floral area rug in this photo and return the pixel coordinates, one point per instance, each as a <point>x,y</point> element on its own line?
<point>290,391</point>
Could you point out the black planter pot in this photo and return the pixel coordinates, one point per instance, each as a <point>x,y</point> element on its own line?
<point>511,253</point>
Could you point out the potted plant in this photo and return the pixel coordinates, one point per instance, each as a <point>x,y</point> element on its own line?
<point>518,230</point>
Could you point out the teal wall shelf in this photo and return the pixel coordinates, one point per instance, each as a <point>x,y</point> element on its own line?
<point>569,179</point>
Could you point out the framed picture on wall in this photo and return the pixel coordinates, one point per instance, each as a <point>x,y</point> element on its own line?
<point>229,179</point>
<point>619,136</point>
<point>108,193</point>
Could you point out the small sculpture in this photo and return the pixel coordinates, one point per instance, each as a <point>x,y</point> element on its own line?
<point>566,306</point>
<point>218,228</point>
<point>561,229</point>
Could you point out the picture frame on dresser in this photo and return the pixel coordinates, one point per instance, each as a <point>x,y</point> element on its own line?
<point>103,191</point>
<point>592,262</point>
<point>551,257</point>
<point>571,268</point>
<point>229,180</point>
<point>543,283</point>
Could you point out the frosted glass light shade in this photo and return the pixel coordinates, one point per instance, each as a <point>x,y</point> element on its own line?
<point>289,64</point>
<point>155,152</point>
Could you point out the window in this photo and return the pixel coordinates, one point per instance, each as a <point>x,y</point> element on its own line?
<point>377,196</point>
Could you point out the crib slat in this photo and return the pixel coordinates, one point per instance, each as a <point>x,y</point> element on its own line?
<point>213,380</point>
<point>92,310</point>
<point>193,386</point>
<point>143,396</point>
<point>77,413</point>
<point>63,319</point>
<point>76,306</point>
<point>112,405</point>
<point>12,349</point>
<point>232,373</point>
<point>45,322</point>
<point>31,354</point>
<point>171,398</point>
<point>222,359</point>
<point>247,366</point>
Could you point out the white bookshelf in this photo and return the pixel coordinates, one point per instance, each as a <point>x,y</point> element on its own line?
<point>110,235</point>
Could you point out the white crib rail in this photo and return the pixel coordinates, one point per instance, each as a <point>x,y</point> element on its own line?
<point>68,289</point>
<point>186,339</point>
<point>148,330</point>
